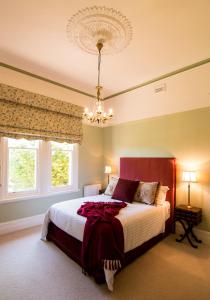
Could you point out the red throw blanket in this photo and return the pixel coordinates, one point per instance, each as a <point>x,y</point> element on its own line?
<point>103,242</point>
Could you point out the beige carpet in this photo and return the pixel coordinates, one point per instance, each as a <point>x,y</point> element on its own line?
<point>32,269</point>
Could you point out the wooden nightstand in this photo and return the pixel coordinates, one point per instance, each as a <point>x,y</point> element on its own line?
<point>188,217</point>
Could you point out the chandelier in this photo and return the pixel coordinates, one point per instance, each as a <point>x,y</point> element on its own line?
<point>92,29</point>
<point>98,115</point>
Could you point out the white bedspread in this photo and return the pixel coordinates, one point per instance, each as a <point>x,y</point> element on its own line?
<point>140,222</point>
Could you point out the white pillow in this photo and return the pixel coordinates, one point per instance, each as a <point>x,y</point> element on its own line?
<point>111,186</point>
<point>161,195</point>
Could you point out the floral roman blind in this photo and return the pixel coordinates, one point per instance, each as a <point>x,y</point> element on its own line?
<point>24,114</point>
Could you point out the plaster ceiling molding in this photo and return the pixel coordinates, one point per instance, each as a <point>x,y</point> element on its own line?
<point>99,23</point>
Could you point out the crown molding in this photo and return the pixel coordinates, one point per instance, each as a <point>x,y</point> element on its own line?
<point>178,71</point>
<point>45,79</point>
<point>181,70</point>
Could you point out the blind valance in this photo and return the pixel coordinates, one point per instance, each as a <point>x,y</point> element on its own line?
<point>24,114</point>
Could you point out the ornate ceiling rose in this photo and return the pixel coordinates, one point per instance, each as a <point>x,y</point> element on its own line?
<point>98,23</point>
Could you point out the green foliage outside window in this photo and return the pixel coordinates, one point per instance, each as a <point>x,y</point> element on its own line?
<point>60,167</point>
<point>22,164</point>
<point>21,169</point>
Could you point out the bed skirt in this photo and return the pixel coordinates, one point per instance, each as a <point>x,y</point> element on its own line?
<point>72,247</point>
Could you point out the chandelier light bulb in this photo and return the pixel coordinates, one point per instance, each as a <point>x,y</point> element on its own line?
<point>99,107</point>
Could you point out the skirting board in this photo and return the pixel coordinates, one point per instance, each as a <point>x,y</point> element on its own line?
<point>201,234</point>
<point>19,224</point>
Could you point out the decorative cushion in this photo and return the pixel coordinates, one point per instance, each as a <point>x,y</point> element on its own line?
<point>111,186</point>
<point>125,190</point>
<point>161,195</point>
<point>146,192</point>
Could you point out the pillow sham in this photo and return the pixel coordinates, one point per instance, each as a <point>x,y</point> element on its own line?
<point>125,190</point>
<point>111,186</point>
<point>161,195</point>
<point>146,192</point>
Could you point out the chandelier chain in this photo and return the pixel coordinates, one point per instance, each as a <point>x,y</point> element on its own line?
<point>99,66</point>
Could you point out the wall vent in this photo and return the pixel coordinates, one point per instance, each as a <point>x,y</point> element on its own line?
<point>160,88</point>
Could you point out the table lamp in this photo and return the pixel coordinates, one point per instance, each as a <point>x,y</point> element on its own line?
<point>108,171</point>
<point>189,176</point>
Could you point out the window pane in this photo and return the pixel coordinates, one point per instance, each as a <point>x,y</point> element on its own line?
<point>22,170</point>
<point>61,162</point>
<point>22,143</point>
<point>62,146</point>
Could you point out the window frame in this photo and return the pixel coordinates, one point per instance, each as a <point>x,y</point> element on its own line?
<point>43,174</point>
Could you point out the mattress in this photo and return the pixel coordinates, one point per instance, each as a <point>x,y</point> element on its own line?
<point>140,222</point>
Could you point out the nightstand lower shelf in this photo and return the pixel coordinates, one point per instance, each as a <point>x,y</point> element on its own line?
<point>188,233</point>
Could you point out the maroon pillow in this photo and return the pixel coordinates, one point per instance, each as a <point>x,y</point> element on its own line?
<point>125,190</point>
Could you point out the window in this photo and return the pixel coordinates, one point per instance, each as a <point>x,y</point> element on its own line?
<point>30,168</point>
<point>22,165</point>
<point>61,160</point>
<point>64,166</point>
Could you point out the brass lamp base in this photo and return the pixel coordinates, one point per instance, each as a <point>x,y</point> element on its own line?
<point>188,204</point>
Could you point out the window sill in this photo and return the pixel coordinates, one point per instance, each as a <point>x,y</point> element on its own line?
<point>35,196</point>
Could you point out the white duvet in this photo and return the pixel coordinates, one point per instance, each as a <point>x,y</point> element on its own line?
<point>140,222</point>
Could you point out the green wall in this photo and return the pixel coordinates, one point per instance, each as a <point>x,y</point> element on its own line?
<point>185,136</point>
<point>90,171</point>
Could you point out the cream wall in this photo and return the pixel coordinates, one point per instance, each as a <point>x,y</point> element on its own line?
<point>31,84</point>
<point>185,136</point>
<point>90,152</point>
<point>184,91</point>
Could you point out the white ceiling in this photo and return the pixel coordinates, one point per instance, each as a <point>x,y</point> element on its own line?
<point>167,35</point>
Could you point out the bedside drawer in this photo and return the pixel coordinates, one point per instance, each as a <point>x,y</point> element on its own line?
<point>193,215</point>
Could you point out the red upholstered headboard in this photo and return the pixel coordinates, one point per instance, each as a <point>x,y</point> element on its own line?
<point>153,169</point>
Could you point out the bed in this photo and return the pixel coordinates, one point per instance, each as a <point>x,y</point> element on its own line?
<point>143,225</point>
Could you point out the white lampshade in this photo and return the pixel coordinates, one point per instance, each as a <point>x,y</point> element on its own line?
<point>189,176</point>
<point>108,170</point>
